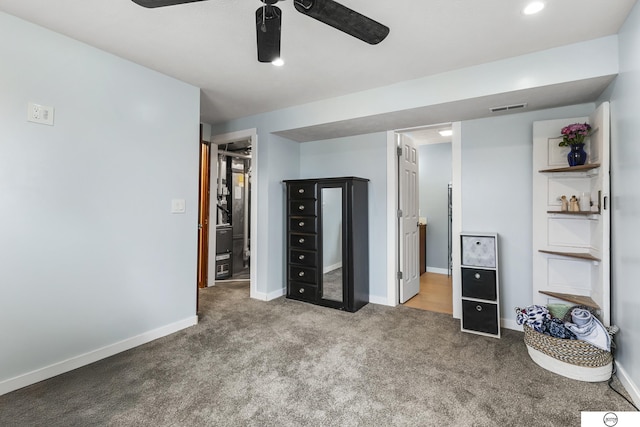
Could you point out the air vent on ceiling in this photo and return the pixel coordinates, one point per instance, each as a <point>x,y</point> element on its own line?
<point>507,107</point>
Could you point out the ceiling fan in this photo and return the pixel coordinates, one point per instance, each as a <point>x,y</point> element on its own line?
<point>269,19</point>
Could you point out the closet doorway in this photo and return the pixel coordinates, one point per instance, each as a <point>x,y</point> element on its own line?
<point>433,144</point>
<point>233,218</point>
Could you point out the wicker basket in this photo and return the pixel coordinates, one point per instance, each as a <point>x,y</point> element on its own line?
<point>573,359</point>
<point>575,352</point>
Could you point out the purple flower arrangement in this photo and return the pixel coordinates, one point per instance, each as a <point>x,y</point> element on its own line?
<point>574,134</point>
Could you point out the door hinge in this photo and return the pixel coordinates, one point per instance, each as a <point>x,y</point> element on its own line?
<point>399,213</point>
<point>399,275</point>
<point>399,151</point>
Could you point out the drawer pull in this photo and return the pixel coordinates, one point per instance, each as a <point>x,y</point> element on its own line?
<point>477,276</point>
<point>301,290</point>
<point>478,242</point>
<point>301,224</point>
<point>300,257</point>
<point>301,190</point>
<point>301,240</point>
<point>301,274</point>
<point>479,307</point>
<point>301,207</point>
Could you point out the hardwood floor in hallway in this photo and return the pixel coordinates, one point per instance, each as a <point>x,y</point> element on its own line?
<point>435,294</point>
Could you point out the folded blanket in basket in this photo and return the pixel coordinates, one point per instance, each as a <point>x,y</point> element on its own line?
<point>533,315</point>
<point>587,328</point>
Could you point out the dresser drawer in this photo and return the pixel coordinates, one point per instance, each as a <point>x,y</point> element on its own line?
<point>305,258</point>
<point>303,224</point>
<point>303,274</point>
<point>477,283</point>
<point>479,251</point>
<point>303,291</point>
<point>480,317</point>
<point>302,190</point>
<point>302,207</point>
<point>303,241</point>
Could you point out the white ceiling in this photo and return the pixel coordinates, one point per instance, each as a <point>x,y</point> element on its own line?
<point>211,44</point>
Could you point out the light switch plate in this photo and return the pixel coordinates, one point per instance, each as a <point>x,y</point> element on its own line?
<point>37,113</point>
<point>178,206</point>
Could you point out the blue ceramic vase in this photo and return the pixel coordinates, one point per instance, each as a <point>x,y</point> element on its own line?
<point>577,156</point>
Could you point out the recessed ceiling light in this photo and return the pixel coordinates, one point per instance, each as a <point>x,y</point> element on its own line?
<point>533,8</point>
<point>279,62</point>
<point>446,132</point>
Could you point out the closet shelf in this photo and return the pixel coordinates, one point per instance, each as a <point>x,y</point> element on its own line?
<point>581,168</point>
<point>576,299</point>
<point>578,255</point>
<point>583,213</point>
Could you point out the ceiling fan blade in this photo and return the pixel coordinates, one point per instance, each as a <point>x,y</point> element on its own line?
<point>343,19</point>
<point>268,22</point>
<point>161,3</point>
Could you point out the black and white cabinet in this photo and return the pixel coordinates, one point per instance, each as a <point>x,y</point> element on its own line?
<point>480,283</point>
<point>328,242</point>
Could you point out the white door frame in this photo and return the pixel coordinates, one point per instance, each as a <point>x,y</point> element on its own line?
<point>227,138</point>
<point>392,222</point>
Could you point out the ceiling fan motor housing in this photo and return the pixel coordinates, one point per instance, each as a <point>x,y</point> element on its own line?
<point>268,24</point>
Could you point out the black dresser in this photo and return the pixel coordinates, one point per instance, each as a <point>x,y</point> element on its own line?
<point>328,242</point>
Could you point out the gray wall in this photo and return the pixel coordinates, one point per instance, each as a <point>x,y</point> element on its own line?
<point>362,156</point>
<point>435,175</point>
<point>625,176</point>
<point>90,255</point>
<point>497,193</point>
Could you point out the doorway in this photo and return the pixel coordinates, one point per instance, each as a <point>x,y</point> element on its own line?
<point>233,218</point>
<point>434,198</point>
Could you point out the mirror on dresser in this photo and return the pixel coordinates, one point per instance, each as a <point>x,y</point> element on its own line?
<point>331,223</point>
<point>328,242</point>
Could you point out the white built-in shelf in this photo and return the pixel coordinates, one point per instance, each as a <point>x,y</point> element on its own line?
<point>577,255</point>
<point>581,168</point>
<point>576,299</point>
<point>586,214</point>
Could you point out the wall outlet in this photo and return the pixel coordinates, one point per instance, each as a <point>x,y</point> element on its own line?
<point>37,113</point>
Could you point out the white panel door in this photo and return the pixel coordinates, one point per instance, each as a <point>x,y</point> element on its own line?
<point>571,253</point>
<point>408,205</point>
<point>601,241</point>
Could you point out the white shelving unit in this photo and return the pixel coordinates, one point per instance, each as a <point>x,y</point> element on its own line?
<point>480,284</point>
<point>571,250</point>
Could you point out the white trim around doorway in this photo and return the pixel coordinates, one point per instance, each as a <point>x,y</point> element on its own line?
<point>255,260</point>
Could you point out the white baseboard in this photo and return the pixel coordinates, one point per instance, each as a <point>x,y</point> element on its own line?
<point>437,270</point>
<point>510,324</point>
<point>75,362</point>
<point>276,294</point>
<point>380,300</point>
<point>627,382</point>
<point>258,295</point>
<point>329,268</point>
